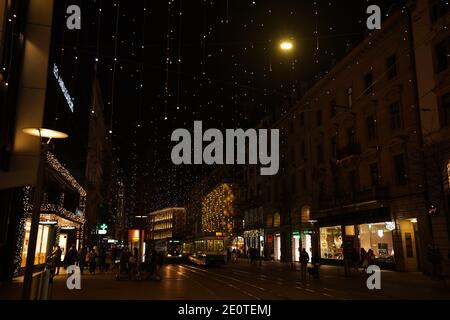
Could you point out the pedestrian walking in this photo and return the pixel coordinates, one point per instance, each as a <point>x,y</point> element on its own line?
<point>304,260</point>
<point>92,256</point>
<point>82,258</point>
<point>233,256</point>
<point>364,260</point>
<point>71,257</point>
<point>56,256</point>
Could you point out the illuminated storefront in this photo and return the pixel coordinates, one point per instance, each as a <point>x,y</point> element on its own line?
<point>254,239</point>
<point>43,245</point>
<point>377,237</point>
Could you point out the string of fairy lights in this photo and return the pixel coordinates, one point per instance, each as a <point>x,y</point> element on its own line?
<point>218,209</point>
<point>199,91</point>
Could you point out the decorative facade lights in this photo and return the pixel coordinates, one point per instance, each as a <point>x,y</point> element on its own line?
<point>63,87</point>
<point>217,210</point>
<point>57,166</point>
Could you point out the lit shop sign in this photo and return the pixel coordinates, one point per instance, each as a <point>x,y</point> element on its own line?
<point>63,87</point>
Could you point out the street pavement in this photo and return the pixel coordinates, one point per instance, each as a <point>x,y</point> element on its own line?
<point>242,281</point>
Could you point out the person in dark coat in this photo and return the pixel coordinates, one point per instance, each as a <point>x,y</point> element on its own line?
<point>56,256</point>
<point>304,260</point>
<point>71,258</point>
<point>92,256</point>
<point>82,258</point>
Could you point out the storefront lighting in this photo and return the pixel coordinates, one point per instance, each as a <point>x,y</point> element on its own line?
<point>414,220</point>
<point>45,133</point>
<point>380,233</point>
<point>48,223</point>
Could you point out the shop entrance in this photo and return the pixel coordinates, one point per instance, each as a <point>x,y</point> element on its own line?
<point>277,247</point>
<point>295,248</point>
<point>408,228</point>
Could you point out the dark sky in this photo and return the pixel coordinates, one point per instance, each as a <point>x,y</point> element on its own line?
<point>219,64</point>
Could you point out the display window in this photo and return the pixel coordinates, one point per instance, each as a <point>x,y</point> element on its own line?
<point>379,238</point>
<point>41,244</point>
<point>331,243</point>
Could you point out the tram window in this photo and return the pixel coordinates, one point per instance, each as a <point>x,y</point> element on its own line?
<point>210,244</point>
<point>218,245</point>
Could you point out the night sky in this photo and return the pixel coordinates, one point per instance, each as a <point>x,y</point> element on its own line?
<point>179,61</point>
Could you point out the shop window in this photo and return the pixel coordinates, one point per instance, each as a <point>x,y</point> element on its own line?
<point>379,238</point>
<point>331,243</point>
<point>41,244</point>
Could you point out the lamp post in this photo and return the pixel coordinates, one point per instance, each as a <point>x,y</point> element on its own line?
<point>37,202</point>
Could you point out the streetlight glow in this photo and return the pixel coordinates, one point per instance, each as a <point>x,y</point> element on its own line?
<point>286,45</point>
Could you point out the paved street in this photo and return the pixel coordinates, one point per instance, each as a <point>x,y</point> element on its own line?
<point>243,282</point>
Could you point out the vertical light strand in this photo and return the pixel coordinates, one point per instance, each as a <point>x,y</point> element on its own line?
<point>180,35</point>
<point>141,93</point>
<point>166,85</point>
<point>97,49</point>
<point>316,31</point>
<point>113,85</point>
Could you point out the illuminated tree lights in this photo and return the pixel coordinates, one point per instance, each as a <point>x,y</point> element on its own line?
<point>217,210</point>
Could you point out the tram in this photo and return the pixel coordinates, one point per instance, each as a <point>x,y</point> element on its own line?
<point>207,250</point>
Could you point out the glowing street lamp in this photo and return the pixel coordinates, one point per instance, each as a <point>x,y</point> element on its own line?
<point>37,202</point>
<point>286,45</point>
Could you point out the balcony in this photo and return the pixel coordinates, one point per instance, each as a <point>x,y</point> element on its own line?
<point>352,150</point>
<point>376,193</point>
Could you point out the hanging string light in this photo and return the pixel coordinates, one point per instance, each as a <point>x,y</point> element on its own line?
<point>180,35</point>
<point>166,85</point>
<point>141,85</point>
<point>113,84</point>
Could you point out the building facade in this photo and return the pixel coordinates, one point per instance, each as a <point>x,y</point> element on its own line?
<point>430,25</point>
<point>352,168</point>
<point>166,224</point>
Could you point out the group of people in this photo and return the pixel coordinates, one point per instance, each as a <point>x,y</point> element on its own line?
<point>84,257</point>
<point>362,259</point>
<point>232,255</point>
